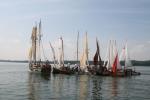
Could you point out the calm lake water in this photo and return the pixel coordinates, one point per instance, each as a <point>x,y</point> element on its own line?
<point>18,83</point>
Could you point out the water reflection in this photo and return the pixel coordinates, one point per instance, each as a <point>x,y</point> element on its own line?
<point>97,90</point>
<point>114,87</point>
<point>57,86</point>
<point>83,87</point>
<point>34,84</point>
<point>65,87</point>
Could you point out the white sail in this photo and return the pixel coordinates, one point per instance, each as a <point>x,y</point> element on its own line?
<point>108,66</point>
<point>84,57</point>
<point>127,58</point>
<point>112,53</point>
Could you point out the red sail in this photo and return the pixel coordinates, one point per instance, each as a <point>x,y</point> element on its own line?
<point>114,68</point>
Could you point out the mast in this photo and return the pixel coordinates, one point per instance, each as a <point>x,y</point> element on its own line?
<point>39,35</point>
<point>86,49</point>
<point>98,50</point>
<point>78,47</point>
<point>62,51</point>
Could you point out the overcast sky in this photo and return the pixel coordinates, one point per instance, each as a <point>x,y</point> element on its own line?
<point>120,20</point>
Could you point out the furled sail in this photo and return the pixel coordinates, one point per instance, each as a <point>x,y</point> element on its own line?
<point>61,53</point>
<point>30,54</point>
<point>34,44</point>
<point>53,51</point>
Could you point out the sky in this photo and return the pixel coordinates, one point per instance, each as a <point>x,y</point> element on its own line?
<point>120,20</point>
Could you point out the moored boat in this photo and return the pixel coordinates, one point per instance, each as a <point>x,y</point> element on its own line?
<point>35,63</point>
<point>59,67</point>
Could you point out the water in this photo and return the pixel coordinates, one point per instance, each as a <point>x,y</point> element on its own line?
<point>17,83</point>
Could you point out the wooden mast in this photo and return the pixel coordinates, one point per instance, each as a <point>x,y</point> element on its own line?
<point>39,55</point>
<point>78,47</point>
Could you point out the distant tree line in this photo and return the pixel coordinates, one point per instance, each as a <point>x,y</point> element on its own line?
<point>138,63</point>
<point>134,62</point>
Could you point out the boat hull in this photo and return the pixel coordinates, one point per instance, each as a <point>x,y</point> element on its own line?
<point>45,69</point>
<point>62,71</point>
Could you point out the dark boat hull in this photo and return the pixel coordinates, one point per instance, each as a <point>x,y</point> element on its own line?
<point>46,69</point>
<point>62,71</point>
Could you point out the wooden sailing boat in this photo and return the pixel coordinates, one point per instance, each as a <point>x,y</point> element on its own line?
<point>60,67</point>
<point>114,64</point>
<point>98,67</point>
<point>76,67</point>
<point>35,63</point>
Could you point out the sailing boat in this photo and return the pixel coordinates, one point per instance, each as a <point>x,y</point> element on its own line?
<point>60,67</point>
<point>35,63</point>
<point>127,62</point>
<point>99,67</point>
<point>84,64</point>
<point>113,63</point>
<point>126,57</point>
<point>76,66</point>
